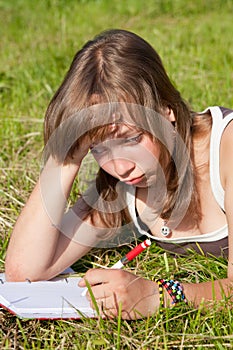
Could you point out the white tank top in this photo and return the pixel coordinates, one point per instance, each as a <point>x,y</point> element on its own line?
<point>221,117</point>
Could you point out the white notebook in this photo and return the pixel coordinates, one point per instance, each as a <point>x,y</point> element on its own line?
<point>54,299</point>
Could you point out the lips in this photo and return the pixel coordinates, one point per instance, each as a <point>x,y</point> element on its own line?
<point>134,181</point>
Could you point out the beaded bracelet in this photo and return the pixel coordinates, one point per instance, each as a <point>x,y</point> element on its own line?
<point>174,289</point>
<point>161,299</point>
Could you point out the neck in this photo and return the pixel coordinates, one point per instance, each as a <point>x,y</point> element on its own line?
<point>201,151</point>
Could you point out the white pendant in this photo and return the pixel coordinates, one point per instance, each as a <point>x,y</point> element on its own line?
<point>165,230</point>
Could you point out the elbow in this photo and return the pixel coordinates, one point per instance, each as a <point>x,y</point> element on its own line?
<point>21,275</point>
<point>15,272</point>
<point>15,268</point>
<point>14,275</point>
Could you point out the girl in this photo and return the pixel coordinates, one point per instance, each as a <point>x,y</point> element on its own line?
<point>165,171</point>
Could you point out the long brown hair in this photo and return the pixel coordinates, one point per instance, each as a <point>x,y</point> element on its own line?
<point>120,66</point>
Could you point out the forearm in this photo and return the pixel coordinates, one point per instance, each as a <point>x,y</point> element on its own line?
<point>198,293</point>
<point>35,237</point>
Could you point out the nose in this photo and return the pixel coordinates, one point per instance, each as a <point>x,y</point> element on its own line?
<point>123,167</point>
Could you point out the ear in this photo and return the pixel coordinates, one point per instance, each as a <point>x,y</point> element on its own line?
<point>169,114</point>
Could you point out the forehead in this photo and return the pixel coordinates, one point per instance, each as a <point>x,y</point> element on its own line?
<point>112,131</point>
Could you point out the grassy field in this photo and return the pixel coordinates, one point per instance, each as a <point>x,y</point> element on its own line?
<point>38,41</point>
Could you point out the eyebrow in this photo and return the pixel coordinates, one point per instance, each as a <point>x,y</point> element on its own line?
<point>127,133</point>
<point>117,132</point>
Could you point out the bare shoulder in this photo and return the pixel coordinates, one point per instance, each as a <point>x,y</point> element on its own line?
<point>226,148</point>
<point>228,133</point>
<point>226,154</point>
<point>226,166</point>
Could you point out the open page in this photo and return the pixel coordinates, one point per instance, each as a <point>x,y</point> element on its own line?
<point>57,298</point>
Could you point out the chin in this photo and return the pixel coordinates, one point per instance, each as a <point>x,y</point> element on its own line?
<point>142,184</point>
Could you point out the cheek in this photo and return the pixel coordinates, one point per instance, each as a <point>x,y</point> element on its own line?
<point>152,147</point>
<point>108,167</point>
<point>105,163</point>
<point>101,159</point>
<point>147,154</point>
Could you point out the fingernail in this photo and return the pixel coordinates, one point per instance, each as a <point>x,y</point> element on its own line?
<point>81,283</point>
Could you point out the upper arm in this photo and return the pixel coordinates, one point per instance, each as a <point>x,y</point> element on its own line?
<point>77,236</point>
<point>226,169</point>
<point>71,240</point>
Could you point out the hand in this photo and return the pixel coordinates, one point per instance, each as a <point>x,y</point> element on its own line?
<point>71,164</point>
<point>138,297</point>
<point>80,151</point>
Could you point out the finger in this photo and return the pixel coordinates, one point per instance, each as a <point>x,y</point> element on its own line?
<point>104,309</point>
<point>100,291</point>
<point>103,300</point>
<point>98,276</point>
<point>112,312</point>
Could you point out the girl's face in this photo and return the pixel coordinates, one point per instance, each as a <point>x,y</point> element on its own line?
<point>129,155</point>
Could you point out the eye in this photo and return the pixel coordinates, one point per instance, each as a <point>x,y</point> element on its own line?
<point>97,151</point>
<point>136,139</point>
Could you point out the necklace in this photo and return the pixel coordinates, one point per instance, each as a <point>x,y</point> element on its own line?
<point>165,230</point>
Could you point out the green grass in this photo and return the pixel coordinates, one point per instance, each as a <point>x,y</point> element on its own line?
<point>38,41</point>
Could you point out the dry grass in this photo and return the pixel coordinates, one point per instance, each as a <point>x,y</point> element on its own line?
<point>38,40</point>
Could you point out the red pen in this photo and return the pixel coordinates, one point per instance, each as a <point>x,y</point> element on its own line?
<point>128,257</point>
<point>132,254</point>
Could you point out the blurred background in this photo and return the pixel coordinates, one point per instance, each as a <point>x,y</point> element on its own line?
<point>38,39</point>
